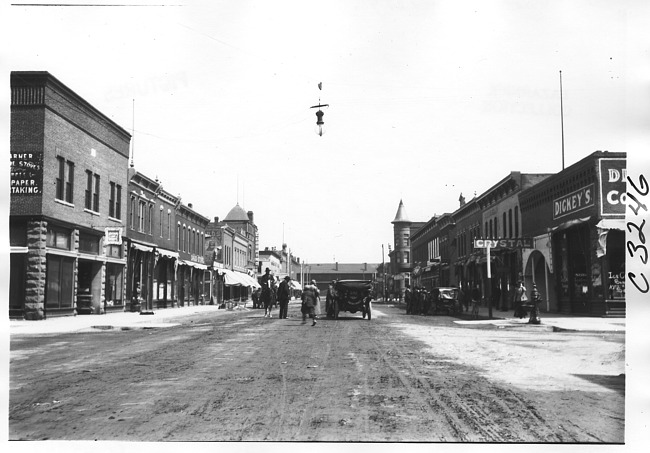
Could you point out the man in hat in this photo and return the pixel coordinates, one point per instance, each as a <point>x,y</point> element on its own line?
<point>267,287</point>
<point>283,297</point>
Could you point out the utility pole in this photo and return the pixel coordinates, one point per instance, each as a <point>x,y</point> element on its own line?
<point>383,270</point>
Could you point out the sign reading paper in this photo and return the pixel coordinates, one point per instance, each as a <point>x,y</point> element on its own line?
<point>613,175</point>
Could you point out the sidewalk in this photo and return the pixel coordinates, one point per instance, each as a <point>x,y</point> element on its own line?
<point>549,321</point>
<point>111,321</point>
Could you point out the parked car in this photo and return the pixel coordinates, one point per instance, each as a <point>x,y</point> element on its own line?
<point>445,299</point>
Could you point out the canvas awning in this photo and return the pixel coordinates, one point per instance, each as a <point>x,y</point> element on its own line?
<point>167,253</point>
<point>141,247</point>
<point>295,285</point>
<point>603,228</point>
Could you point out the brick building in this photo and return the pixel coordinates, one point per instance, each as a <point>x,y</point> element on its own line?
<point>68,188</point>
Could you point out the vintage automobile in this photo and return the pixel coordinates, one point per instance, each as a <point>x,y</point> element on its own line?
<point>351,296</point>
<point>445,299</point>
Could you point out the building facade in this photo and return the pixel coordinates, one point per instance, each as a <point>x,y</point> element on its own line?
<point>576,219</point>
<point>67,206</point>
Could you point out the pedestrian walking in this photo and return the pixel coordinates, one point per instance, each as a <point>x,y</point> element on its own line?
<point>520,299</point>
<point>310,298</point>
<point>267,292</point>
<point>536,300</point>
<point>407,300</point>
<point>283,297</point>
<point>329,297</point>
<point>462,298</point>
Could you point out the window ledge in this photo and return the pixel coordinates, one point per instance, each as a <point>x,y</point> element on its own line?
<point>115,219</point>
<point>90,211</point>
<point>64,203</point>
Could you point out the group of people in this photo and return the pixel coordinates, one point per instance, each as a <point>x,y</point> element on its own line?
<point>271,294</point>
<point>420,300</point>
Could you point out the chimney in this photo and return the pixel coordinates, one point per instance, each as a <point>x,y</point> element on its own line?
<point>216,220</point>
<point>336,266</point>
<point>250,216</point>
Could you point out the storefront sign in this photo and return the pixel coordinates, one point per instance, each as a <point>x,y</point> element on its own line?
<point>613,175</point>
<point>26,173</point>
<point>495,244</point>
<point>113,236</point>
<point>573,202</point>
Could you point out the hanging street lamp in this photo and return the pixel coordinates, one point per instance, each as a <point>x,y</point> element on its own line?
<point>319,114</point>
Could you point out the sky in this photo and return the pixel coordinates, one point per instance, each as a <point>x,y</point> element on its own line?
<point>428,100</point>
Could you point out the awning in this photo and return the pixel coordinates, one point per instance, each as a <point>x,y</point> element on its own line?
<point>295,285</point>
<point>569,224</point>
<point>248,280</point>
<point>603,228</point>
<point>612,224</point>
<point>167,253</point>
<point>142,248</point>
<point>231,278</point>
<point>202,267</point>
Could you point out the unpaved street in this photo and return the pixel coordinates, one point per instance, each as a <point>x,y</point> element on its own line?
<point>236,376</point>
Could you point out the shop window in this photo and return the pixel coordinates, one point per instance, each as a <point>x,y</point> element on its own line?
<point>616,264</point>
<point>60,278</point>
<point>88,243</point>
<point>114,251</point>
<point>18,234</point>
<point>58,238</point>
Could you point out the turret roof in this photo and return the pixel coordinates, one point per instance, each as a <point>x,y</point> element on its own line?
<point>401,214</point>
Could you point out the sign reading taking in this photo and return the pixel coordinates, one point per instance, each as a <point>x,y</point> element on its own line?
<point>26,173</point>
<point>495,244</point>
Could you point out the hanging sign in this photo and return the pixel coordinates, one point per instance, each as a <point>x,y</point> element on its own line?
<point>496,244</point>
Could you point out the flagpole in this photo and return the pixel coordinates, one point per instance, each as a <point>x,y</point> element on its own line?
<point>562,119</point>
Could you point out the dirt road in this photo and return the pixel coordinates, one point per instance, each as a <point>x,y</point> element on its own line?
<point>237,376</point>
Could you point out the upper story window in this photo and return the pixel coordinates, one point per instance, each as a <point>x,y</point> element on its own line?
<point>141,213</point>
<point>160,221</point>
<point>150,219</point>
<point>169,225</point>
<point>115,201</point>
<point>92,191</point>
<point>65,180</point>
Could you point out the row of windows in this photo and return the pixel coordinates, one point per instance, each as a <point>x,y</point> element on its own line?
<point>188,239</point>
<point>65,189</point>
<point>492,225</point>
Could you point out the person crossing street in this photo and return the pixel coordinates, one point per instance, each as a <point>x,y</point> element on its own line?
<point>283,297</point>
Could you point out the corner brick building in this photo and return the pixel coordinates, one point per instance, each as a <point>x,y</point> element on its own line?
<point>69,167</point>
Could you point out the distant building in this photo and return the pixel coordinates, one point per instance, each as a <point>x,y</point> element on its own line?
<point>324,273</point>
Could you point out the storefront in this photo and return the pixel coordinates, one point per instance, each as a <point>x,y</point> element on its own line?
<point>580,211</point>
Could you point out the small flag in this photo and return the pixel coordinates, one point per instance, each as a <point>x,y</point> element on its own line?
<point>320,85</point>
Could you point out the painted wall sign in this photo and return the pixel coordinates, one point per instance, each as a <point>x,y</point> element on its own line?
<point>26,173</point>
<point>574,202</point>
<point>495,244</point>
<point>613,174</point>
